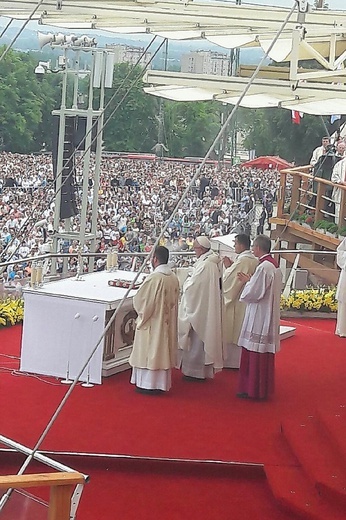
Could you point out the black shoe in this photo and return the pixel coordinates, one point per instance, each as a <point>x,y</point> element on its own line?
<point>243,395</point>
<point>193,379</point>
<point>148,391</point>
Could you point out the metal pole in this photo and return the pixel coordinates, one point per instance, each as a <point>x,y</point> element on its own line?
<point>86,160</point>
<point>60,160</point>
<point>76,81</point>
<point>96,186</point>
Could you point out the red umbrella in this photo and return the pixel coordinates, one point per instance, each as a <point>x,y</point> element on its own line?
<point>268,162</point>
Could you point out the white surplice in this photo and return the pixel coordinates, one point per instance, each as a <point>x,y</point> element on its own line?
<point>341,290</point>
<point>233,309</point>
<point>261,326</point>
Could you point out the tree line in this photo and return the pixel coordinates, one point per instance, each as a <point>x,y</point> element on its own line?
<point>141,121</point>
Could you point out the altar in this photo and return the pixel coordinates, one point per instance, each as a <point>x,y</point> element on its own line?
<point>65,319</point>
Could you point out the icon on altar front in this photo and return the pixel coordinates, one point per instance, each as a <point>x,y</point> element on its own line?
<point>128,327</point>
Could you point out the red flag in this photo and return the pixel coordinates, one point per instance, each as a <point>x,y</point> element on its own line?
<point>296,117</point>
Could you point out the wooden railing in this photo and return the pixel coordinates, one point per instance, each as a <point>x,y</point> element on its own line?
<point>61,485</point>
<point>303,196</point>
<point>307,193</point>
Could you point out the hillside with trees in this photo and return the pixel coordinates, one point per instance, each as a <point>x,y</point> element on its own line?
<point>188,130</point>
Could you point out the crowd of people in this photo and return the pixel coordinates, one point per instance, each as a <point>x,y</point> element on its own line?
<point>136,198</point>
<point>236,323</point>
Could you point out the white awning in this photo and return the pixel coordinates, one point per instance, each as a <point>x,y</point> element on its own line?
<point>257,101</point>
<point>221,23</point>
<point>206,17</point>
<point>280,51</point>
<point>233,41</point>
<point>325,107</point>
<point>178,35</point>
<point>314,98</point>
<point>177,93</point>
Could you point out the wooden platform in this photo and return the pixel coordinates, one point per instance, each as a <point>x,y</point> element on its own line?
<point>294,233</point>
<point>304,195</point>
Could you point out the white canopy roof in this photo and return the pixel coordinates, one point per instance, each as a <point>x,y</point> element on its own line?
<point>180,93</point>
<point>317,34</point>
<point>313,98</point>
<point>223,23</point>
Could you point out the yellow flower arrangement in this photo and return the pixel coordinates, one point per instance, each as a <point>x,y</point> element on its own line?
<point>11,311</point>
<point>321,299</point>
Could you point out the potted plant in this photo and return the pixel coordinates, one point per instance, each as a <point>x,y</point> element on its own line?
<point>320,226</point>
<point>342,232</point>
<point>301,218</point>
<point>316,301</point>
<point>306,220</point>
<point>331,229</point>
<point>295,216</point>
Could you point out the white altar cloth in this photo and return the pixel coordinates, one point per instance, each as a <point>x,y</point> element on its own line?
<point>57,343</point>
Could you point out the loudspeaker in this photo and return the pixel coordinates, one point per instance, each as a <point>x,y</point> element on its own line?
<point>68,204</point>
<point>44,39</point>
<point>59,39</point>
<point>70,38</point>
<point>80,133</point>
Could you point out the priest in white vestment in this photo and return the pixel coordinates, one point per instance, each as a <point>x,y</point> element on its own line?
<point>200,329</point>
<point>233,309</point>
<point>260,334</point>
<point>338,177</point>
<point>341,290</point>
<point>155,346</point>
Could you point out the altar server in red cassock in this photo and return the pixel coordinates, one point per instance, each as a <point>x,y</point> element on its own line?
<point>260,334</point>
<point>341,290</point>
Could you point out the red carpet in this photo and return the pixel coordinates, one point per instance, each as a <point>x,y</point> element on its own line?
<point>195,422</point>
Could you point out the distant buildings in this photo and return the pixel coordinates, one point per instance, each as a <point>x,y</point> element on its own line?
<point>195,62</point>
<point>206,62</point>
<point>130,54</point>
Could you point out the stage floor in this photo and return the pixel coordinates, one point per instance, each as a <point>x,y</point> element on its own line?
<point>204,421</point>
